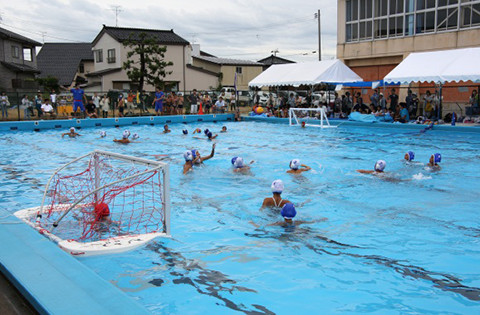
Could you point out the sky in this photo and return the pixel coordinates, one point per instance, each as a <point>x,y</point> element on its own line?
<point>239,29</point>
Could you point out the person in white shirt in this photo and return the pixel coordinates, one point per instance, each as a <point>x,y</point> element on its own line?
<point>27,107</point>
<point>105,104</point>
<point>220,105</point>
<point>53,99</point>
<point>47,108</point>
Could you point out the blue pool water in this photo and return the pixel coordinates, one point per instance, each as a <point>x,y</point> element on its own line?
<point>407,245</point>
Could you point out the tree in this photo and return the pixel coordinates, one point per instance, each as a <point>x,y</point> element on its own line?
<point>145,61</point>
<point>49,83</point>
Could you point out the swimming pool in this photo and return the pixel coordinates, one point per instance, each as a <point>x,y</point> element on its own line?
<point>407,245</point>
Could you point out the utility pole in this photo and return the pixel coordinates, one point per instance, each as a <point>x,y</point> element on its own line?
<point>319,36</point>
<point>117,9</point>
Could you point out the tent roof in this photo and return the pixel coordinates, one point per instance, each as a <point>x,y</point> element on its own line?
<point>438,66</point>
<point>307,73</point>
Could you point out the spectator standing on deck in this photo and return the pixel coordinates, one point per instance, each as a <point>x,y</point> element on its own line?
<point>158,101</point>
<point>194,102</point>
<point>428,104</point>
<point>38,104</point>
<point>78,98</point>
<point>27,107</point>
<point>474,101</point>
<point>96,100</point>
<point>4,103</point>
<point>393,101</point>
<point>382,102</point>
<point>374,98</point>
<point>53,100</point>
<point>130,99</point>
<point>105,104</point>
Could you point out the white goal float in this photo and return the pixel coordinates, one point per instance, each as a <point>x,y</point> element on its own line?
<point>311,117</point>
<point>103,203</point>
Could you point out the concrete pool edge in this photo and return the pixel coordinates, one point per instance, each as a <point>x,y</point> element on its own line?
<point>65,124</point>
<point>343,122</point>
<point>53,281</point>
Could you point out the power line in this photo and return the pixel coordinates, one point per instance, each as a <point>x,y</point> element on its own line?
<point>44,34</point>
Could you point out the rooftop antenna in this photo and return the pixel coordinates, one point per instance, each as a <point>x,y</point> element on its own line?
<point>117,9</point>
<point>43,36</point>
<point>275,52</point>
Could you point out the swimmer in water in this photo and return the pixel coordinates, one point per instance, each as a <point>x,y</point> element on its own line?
<point>165,129</point>
<point>276,201</point>
<point>297,168</point>
<point>198,159</point>
<point>198,130</point>
<point>188,166</point>
<point>103,134</point>
<point>71,134</point>
<point>211,136</point>
<point>239,165</point>
<point>303,124</point>
<point>288,212</point>
<point>434,160</point>
<point>124,139</point>
<point>185,132</point>
<point>378,168</point>
<point>135,136</point>
<point>224,129</point>
<point>409,156</point>
<point>103,219</point>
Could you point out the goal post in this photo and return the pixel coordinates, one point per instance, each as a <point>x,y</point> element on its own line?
<point>104,202</point>
<point>312,117</point>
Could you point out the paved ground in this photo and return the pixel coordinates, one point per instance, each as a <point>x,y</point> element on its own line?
<point>11,301</point>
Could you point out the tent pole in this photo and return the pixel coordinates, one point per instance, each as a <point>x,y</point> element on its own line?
<point>440,102</point>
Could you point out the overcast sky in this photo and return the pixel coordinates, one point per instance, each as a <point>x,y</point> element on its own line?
<point>241,29</point>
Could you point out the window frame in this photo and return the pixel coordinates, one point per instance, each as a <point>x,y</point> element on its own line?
<point>111,58</point>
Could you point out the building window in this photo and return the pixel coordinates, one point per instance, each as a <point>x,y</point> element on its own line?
<point>15,52</point>
<point>111,56</point>
<point>27,54</point>
<point>99,55</point>
<point>238,70</point>
<point>81,68</point>
<point>377,19</point>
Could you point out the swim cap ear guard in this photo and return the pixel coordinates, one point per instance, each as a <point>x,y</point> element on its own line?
<point>238,163</point>
<point>380,166</point>
<point>188,156</point>
<point>234,159</point>
<point>277,186</point>
<point>194,154</point>
<point>135,136</point>
<point>185,131</point>
<point>126,134</point>
<point>295,164</point>
<point>410,156</point>
<point>437,158</point>
<point>288,211</point>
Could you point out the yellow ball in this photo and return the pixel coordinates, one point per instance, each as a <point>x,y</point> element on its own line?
<point>259,110</point>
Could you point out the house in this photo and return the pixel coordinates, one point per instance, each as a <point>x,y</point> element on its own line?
<point>228,69</point>
<point>18,62</point>
<point>273,60</point>
<point>68,62</point>
<point>110,54</point>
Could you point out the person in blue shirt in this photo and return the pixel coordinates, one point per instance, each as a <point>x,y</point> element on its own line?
<point>78,98</point>
<point>404,116</point>
<point>158,101</point>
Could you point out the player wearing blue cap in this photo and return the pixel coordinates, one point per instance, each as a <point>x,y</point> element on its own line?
<point>188,166</point>
<point>434,160</point>
<point>409,156</point>
<point>165,129</point>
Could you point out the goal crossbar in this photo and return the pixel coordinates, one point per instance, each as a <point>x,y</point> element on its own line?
<point>322,120</point>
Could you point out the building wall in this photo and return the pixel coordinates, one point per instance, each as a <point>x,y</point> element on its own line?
<point>248,74</point>
<point>105,43</point>
<point>207,65</point>
<point>6,75</point>
<point>199,80</point>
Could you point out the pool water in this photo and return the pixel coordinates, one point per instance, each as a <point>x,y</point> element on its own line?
<point>407,243</point>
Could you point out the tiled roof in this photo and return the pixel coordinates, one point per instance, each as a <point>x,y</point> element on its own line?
<point>230,62</point>
<point>61,60</point>
<point>165,37</point>
<point>274,60</point>
<point>19,67</point>
<point>103,72</point>
<point>14,36</point>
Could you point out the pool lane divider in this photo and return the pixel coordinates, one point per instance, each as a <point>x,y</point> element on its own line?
<point>38,125</point>
<point>346,123</point>
<point>52,280</point>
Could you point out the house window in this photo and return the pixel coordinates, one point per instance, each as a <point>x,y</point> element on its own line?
<point>238,70</point>
<point>81,68</point>
<point>99,55</point>
<point>27,54</point>
<point>15,52</point>
<point>111,56</point>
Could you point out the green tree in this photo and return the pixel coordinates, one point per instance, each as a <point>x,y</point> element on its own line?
<point>145,61</point>
<point>49,83</point>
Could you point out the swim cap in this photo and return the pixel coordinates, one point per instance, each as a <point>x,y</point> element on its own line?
<point>72,129</point>
<point>209,134</point>
<point>234,159</point>
<point>303,123</point>
<point>437,158</point>
<point>126,134</point>
<point>194,153</point>
<point>277,186</point>
<point>288,211</point>
<point>206,131</point>
<point>185,131</point>
<point>103,133</point>
<point>380,166</point>
<point>198,130</point>
<point>238,163</point>
<point>135,136</point>
<point>295,164</point>
<point>409,156</point>
<point>101,210</point>
<point>188,156</point>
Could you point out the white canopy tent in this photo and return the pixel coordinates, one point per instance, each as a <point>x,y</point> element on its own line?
<point>438,66</point>
<point>306,73</point>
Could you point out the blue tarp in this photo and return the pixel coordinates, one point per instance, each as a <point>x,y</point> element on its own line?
<point>355,116</point>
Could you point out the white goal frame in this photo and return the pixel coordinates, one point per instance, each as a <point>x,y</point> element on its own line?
<point>323,122</point>
<point>110,245</point>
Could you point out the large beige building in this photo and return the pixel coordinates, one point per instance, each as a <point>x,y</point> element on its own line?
<point>374,36</point>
